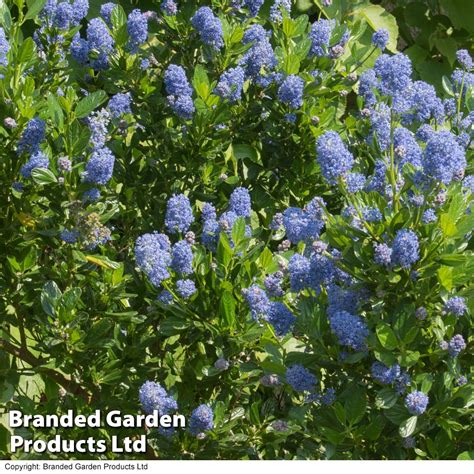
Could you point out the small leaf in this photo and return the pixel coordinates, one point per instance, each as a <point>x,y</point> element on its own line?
<point>103,262</point>
<point>386,336</point>
<point>408,427</point>
<point>90,103</point>
<point>43,176</point>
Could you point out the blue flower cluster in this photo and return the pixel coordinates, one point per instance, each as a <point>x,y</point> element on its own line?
<point>179,91</point>
<point>405,248</point>
<point>350,330</point>
<point>290,91</point>
<point>137,28</point>
<point>201,420</point>
<point>179,214</point>
<point>300,379</point>
<point>119,104</point>
<point>209,27</point>
<point>333,157</point>
<point>416,403</point>
<point>154,397</point>
<point>230,84</point>
<point>4,48</point>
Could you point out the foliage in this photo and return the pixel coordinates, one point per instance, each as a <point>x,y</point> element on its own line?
<point>326,208</point>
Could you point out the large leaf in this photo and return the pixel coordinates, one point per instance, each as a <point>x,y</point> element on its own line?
<point>377,17</point>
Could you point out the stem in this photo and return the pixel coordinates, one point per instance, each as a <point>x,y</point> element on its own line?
<point>26,356</point>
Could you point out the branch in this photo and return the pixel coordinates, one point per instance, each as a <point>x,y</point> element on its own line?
<point>26,356</point>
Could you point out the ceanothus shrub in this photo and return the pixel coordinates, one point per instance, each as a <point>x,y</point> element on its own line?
<point>257,218</point>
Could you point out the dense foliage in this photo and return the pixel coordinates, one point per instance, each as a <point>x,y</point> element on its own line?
<point>236,212</point>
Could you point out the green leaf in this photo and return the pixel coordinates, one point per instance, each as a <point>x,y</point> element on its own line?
<point>408,427</point>
<point>466,456</point>
<point>356,405</point>
<point>90,103</point>
<point>377,17</point>
<point>246,151</point>
<point>238,231</point>
<point>55,110</point>
<point>26,52</point>
<point>118,17</point>
<point>103,261</point>
<point>445,277</point>
<point>386,336</point>
<point>34,9</point>
<point>43,176</point>
<point>227,308</point>
<point>50,296</point>
<point>386,398</point>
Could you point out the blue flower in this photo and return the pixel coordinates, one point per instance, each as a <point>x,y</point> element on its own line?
<point>372,214</point>
<point>424,132</point>
<point>299,270</point>
<point>154,397</point>
<point>382,254</point>
<point>273,284</point>
<point>383,374</point>
<point>341,299</point>
<point>182,257</point>
<point>152,253</point>
<point>424,103</point>
<point>350,330</point>
<point>367,85</point>
<point>201,420</point>
<point>91,195</point>
<point>300,379</point>
<point>80,8</point>
<point>456,345</point>
<point>240,202</point>
<point>230,84</point>
<point>120,104</point>
<point>260,57</point>
<point>355,182</point>
<point>456,306</point>
<point>429,216</point>
<point>37,160</point>
<point>106,12</point>
<point>394,73</point>
<point>301,225</point>
<point>443,157</point>
<point>137,28</point>
<point>98,122</point>
<point>320,35</point>
<point>329,397</point>
<point>185,288</point>
<point>179,214</point>
<point>291,91</point>
<point>253,6</point>
<point>98,36</point>
<point>258,301</point>
<point>100,167</point>
<point>416,402</point>
<point>209,27</point>
<point>333,157</point>
<point>63,15</point>
<point>464,59</point>
<point>276,10</point>
<point>405,248</point>
<point>406,148</point>
<point>169,7</point>
<point>69,236</point>
<point>182,106</point>
<point>165,297</point>
<point>380,126</point>
<point>32,136</point>
<point>79,49</point>
<point>380,38</point>
<point>281,318</point>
